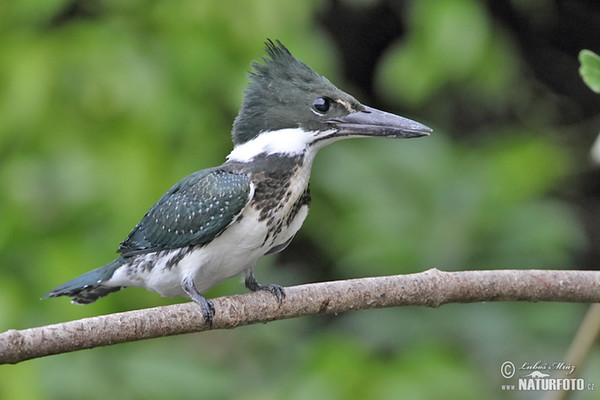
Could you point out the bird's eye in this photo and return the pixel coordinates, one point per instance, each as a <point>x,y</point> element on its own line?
<point>322,104</point>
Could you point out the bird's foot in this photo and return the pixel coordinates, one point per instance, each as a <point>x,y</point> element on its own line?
<point>276,290</point>
<point>206,306</point>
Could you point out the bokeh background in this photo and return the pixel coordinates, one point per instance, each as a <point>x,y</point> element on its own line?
<point>105,104</point>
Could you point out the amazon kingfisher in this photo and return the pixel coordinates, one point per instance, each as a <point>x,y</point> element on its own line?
<point>217,222</point>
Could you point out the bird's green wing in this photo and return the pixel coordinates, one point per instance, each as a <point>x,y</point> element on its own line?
<point>192,212</point>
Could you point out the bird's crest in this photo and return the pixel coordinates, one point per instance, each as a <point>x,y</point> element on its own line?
<point>275,86</point>
<point>281,64</point>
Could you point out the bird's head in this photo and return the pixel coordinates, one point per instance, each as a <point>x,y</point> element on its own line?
<point>288,107</point>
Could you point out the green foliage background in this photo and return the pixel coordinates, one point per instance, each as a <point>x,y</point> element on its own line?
<point>99,116</point>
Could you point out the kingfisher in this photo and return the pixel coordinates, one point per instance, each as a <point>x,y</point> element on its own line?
<point>217,222</point>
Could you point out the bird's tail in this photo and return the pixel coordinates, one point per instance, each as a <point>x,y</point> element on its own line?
<point>89,287</point>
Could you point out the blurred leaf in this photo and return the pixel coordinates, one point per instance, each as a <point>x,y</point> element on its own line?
<point>590,69</point>
<point>339,368</point>
<point>438,50</point>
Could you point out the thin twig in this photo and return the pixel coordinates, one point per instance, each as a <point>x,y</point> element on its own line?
<point>584,340</point>
<point>430,288</point>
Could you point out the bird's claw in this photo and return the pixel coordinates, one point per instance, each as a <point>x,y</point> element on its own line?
<point>276,290</point>
<point>208,310</point>
<point>206,306</point>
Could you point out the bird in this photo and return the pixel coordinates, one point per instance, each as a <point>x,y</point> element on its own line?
<point>217,222</point>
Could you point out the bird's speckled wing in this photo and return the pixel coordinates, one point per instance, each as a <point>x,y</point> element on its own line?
<point>192,212</point>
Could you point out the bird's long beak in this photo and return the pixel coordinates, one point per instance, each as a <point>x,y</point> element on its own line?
<point>375,123</point>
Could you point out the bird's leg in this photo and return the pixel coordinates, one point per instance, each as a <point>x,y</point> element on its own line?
<point>207,307</point>
<point>251,284</point>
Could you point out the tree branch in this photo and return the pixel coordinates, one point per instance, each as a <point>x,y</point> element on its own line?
<point>431,288</point>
